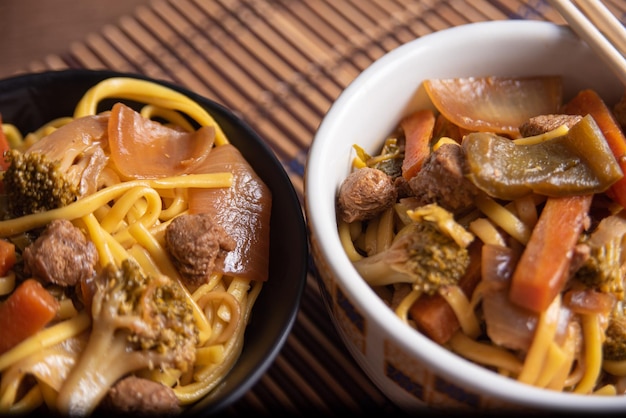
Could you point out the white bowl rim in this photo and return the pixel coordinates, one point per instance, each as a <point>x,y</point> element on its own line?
<point>321,221</point>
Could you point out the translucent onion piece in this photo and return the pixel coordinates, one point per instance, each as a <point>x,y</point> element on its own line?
<point>495,104</point>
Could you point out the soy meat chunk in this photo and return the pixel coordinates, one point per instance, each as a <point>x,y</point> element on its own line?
<point>442,180</point>
<point>546,123</point>
<point>62,255</point>
<point>195,241</point>
<point>365,193</point>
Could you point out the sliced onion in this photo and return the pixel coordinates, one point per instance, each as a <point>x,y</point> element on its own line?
<point>587,301</point>
<point>243,210</point>
<point>495,104</point>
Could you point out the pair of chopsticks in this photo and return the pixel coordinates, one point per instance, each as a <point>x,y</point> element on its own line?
<point>599,28</point>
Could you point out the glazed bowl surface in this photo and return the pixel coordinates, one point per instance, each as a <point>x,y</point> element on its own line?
<point>412,370</point>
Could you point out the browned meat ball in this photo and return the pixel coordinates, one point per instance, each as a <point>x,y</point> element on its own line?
<point>195,241</point>
<point>441,180</point>
<point>545,123</point>
<point>141,397</point>
<point>62,255</point>
<point>365,193</point>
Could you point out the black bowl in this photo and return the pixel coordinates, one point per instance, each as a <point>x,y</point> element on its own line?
<point>28,101</point>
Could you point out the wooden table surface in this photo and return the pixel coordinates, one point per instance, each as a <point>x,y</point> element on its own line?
<point>33,29</point>
<point>280,64</point>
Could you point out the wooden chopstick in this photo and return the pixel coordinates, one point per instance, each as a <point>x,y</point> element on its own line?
<point>599,28</point>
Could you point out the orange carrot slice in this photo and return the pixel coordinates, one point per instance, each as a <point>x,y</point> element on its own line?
<point>28,310</point>
<point>542,269</point>
<point>418,131</point>
<point>7,256</point>
<point>589,102</point>
<point>433,315</point>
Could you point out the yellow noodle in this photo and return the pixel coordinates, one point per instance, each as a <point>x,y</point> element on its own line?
<point>46,338</point>
<point>213,354</point>
<point>10,384</point>
<point>66,309</point>
<point>7,283</point>
<point>204,288</point>
<point>356,229</point>
<point>544,334</point>
<point>535,139</point>
<point>553,363</point>
<point>615,367</point>
<point>358,163</point>
<point>575,375</point>
<point>558,382</point>
<point>175,207</point>
<point>237,289</point>
<point>29,402</point>
<point>402,311</point>
<point>385,230</point>
<point>149,93</point>
<point>371,234</point>
<point>606,390</point>
<point>462,309</point>
<point>49,395</point>
<point>205,377</point>
<point>484,229</point>
<point>504,218</point>
<point>346,241</point>
<point>479,291</point>
<point>89,204</point>
<point>12,134</point>
<point>126,202</point>
<point>485,354</point>
<point>171,116</point>
<point>96,235</point>
<point>225,299</point>
<point>592,357</point>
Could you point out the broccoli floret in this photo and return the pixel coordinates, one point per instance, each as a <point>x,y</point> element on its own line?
<point>614,345</point>
<point>422,254</point>
<point>138,322</point>
<point>602,271</point>
<point>389,161</point>
<point>33,183</point>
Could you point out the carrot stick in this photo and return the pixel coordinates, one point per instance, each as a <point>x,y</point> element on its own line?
<point>433,315</point>
<point>543,266</point>
<point>29,309</point>
<point>589,102</point>
<point>418,131</point>
<point>7,256</point>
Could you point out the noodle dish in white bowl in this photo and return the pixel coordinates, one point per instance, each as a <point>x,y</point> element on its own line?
<point>464,198</point>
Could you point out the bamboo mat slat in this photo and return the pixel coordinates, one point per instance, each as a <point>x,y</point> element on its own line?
<point>280,64</point>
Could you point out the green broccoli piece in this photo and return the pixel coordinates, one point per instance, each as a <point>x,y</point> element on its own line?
<point>614,346</point>
<point>422,254</point>
<point>389,160</point>
<point>602,271</point>
<point>33,183</point>
<point>138,322</point>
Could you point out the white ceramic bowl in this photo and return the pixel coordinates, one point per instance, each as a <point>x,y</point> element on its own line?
<point>409,368</point>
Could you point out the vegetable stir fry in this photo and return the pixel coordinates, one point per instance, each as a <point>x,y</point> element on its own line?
<point>495,225</point>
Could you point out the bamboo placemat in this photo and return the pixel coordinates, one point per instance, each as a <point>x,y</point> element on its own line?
<point>281,64</point>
